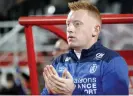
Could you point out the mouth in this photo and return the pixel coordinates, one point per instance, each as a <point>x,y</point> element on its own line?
<point>71,38</point>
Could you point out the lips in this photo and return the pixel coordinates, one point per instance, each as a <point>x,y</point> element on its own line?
<point>70,38</point>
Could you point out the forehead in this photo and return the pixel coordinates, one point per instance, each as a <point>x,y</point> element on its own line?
<point>80,15</point>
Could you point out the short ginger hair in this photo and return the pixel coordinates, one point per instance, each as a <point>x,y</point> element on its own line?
<point>85,5</point>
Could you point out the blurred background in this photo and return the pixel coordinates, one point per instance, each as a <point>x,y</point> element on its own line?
<point>14,71</point>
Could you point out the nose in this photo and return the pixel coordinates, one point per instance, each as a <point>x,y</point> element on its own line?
<point>70,29</point>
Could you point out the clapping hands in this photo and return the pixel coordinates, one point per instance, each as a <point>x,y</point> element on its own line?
<point>58,85</point>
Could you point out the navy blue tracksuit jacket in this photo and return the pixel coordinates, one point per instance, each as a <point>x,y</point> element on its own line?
<point>99,71</point>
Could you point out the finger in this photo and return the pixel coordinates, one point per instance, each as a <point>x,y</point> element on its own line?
<point>49,85</point>
<point>64,75</point>
<point>44,76</point>
<point>46,80</point>
<point>57,91</point>
<point>49,70</point>
<point>69,75</point>
<point>57,78</point>
<point>46,72</point>
<point>53,92</point>
<point>54,89</point>
<point>58,84</point>
<point>53,70</point>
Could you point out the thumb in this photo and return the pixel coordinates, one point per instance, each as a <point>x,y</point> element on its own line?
<point>64,75</point>
<point>68,75</point>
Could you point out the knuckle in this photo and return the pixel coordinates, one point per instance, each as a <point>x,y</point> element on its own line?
<point>64,86</point>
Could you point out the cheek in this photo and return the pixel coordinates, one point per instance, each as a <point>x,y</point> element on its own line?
<point>81,37</point>
<point>85,37</point>
<point>84,33</point>
<point>88,33</point>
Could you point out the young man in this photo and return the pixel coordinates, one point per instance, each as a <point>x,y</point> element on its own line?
<point>88,68</point>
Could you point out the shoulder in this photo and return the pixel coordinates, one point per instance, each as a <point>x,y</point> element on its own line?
<point>113,61</point>
<point>109,54</point>
<point>114,64</point>
<point>60,59</point>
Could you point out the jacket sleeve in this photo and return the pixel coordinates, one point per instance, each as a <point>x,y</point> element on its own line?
<point>45,92</point>
<point>115,79</point>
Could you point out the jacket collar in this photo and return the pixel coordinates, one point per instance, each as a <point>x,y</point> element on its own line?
<point>87,52</point>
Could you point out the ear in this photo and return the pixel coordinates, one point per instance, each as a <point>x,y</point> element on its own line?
<point>96,31</point>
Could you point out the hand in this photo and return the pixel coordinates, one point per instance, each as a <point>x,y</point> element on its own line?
<point>48,71</point>
<point>64,85</point>
<point>57,85</point>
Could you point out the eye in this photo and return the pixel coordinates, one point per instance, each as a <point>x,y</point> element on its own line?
<point>77,24</point>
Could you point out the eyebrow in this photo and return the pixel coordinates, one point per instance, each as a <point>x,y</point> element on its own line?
<point>77,21</point>
<point>67,21</point>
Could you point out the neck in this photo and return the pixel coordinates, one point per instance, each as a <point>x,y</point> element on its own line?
<point>79,49</point>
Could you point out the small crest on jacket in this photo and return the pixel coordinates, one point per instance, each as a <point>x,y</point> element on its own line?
<point>67,59</point>
<point>93,68</point>
<point>61,69</point>
<point>99,56</point>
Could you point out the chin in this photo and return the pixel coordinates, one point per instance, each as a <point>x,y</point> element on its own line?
<point>72,46</point>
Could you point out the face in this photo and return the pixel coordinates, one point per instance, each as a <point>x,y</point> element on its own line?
<point>80,29</point>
